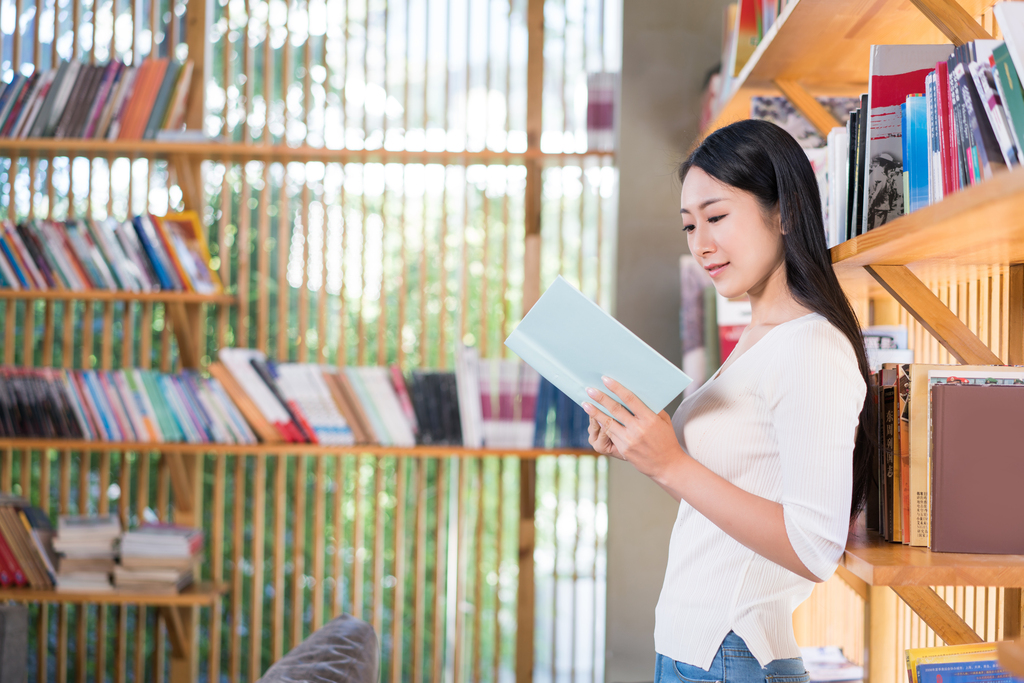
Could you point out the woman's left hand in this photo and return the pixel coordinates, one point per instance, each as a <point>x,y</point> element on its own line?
<point>643,438</point>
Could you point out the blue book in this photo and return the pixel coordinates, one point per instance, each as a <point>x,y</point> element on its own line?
<point>571,342</point>
<point>964,672</point>
<point>917,151</point>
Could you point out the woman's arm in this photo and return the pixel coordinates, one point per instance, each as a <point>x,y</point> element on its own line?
<point>649,442</point>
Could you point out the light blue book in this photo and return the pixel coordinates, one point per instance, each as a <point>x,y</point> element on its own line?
<point>569,340</point>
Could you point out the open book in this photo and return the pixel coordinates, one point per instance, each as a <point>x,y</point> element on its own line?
<point>569,340</point>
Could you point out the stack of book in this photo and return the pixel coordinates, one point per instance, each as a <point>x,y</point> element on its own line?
<point>947,459</point>
<point>26,552</point>
<point>87,547</point>
<point>146,254</point>
<point>99,101</point>
<point>937,119</point>
<point>118,405</point>
<point>158,558</point>
<point>961,663</point>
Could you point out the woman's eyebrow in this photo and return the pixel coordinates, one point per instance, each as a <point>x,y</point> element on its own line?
<point>703,205</point>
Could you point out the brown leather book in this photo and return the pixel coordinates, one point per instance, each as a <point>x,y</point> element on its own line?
<point>346,410</point>
<point>977,468</point>
<point>266,432</point>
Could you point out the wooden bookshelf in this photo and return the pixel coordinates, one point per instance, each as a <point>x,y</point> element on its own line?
<point>196,595</point>
<point>880,563</point>
<point>102,295</point>
<point>283,449</point>
<point>824,46</point>
<point>911,572</point>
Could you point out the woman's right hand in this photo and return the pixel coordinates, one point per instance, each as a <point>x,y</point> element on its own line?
<point>600,441</point>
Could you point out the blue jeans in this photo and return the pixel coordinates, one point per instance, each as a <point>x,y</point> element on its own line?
<point>733,663</point>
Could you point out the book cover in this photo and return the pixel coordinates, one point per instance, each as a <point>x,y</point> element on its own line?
<point>986,155</point>
<point>260,425</point>
<point>896,71</point>
<point>162,101</point>
<point>1008,84</point>
<point>976,468</point>
<point>187,241</point>
<point>175,117</point>
<point>916,139</point>
<point>16,118</point>
<point>573,343</point>
<point>862,135</point>
<point>746,32</point>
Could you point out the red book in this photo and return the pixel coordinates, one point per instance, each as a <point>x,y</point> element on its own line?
<point>398,381</point>
<point>946,137</point>
<point>17,576</point>
<point>128,115</point>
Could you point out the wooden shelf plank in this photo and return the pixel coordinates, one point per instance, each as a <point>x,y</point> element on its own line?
<point>100,295</point>
<point>880,563</point>
<point>195,595</point>
<point>241,151</point>
<point>825,45</point>
<point>979,227</point>
<point>282,449</point>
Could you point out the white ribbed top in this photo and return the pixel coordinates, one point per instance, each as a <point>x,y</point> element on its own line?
<point>779,422</point>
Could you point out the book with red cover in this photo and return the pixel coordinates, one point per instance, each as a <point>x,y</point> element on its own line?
<point>17,575</point>
<point>945,127</point>
<point>976,468</point>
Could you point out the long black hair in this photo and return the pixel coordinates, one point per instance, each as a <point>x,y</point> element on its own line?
<point>763,159</point>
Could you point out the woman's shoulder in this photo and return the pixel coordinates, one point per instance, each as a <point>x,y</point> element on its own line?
<point>812,340</point>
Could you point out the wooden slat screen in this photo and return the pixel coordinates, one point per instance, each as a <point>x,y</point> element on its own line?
<point>406,238</point>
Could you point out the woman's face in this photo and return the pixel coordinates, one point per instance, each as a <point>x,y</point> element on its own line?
<point>729,235</point>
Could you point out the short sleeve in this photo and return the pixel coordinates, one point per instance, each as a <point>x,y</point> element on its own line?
<point>815,393</point>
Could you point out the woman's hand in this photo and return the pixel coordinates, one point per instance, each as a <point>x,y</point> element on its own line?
<point>600,440</point>
<point>644,438</point>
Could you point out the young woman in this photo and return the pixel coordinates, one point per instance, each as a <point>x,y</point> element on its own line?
<point>769,458</point>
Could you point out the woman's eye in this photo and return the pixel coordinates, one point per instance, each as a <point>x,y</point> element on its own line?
<point>715,219</point>
<point>688,228</point>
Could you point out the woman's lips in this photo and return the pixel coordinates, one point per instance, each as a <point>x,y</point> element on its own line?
<point>717,270</point>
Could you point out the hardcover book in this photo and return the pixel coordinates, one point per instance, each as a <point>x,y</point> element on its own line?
<point>571,342</point>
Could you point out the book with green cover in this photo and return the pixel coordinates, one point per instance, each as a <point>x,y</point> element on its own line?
<point>1010,91</point>
<point>570,341</point>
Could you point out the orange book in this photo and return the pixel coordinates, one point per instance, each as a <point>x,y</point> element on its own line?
<point>186,242</point>
<point>153,82</point>
<point>158,225</point>
<point>266,431</point>
<point>129,108</point>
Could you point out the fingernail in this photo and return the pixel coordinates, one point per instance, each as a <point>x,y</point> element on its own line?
<point>605,379</point>
<point>588,408</point>
<point>591,392</point>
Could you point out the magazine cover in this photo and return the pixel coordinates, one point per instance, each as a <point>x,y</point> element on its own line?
<point>896,72</point>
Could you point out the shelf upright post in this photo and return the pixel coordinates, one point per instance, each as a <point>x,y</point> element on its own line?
<point>188,320</point>
<point>531,292</point>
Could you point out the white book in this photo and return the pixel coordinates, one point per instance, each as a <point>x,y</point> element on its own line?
<point>360,385</point>
<point>237,363</point>
<point>838,172</point>
<point>303,384</point>
<point>467,381</point>
<point>383,395</point>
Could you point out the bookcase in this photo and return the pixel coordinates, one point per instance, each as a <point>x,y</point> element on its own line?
<point>952,272</point>
<point>452,250</point>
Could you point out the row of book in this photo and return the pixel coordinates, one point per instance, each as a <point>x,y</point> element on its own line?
<point>99,101</point>
<point>974,663</point>
<point>494,403</point>
<point>948,459</point>
<point>118,405</point>
<point>936,119</point>
<point>154,558</point>
<point>148,253</point>
<point>26,553</point>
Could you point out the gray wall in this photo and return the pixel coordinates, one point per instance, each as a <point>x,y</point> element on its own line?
<point>667,48</point>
